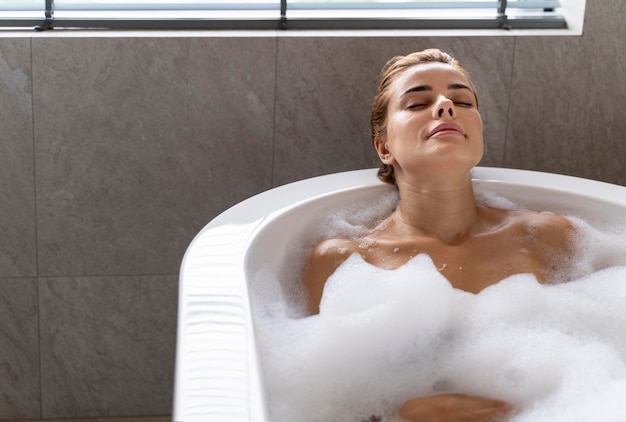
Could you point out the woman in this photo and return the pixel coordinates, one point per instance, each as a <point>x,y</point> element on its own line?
<point>428,133</point>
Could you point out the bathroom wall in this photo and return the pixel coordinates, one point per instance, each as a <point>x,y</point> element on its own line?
<point>116,150</point>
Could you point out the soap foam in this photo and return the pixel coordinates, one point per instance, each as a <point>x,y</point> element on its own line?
<point>554,352</point>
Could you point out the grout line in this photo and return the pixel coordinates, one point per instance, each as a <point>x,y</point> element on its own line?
<point>49,277</point>
<point>273,158</point>
<point>508,105</point>
<point>32,116</point>
<point>39,319</point>
<point>53,277</point>
<point>166,418</point>
<point>21,277</point>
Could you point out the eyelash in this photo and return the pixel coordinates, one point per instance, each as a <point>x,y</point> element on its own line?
<point>423,105</point>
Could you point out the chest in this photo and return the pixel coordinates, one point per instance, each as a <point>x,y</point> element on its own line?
<point>472,265</point>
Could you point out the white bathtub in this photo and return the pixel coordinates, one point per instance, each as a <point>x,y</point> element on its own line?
<point>217,370</point>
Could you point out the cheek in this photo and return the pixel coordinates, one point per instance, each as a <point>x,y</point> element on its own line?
<point>476,125</point>
<point>479,121</point>
<point>391,129</point>
<point>403,126</point>
<point>479,132</point>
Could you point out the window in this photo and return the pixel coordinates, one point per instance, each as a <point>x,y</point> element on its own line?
<point>282,14</point>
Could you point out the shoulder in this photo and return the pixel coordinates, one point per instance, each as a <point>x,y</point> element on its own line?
<point>546,228</point>
<point>323,260</point>
<point>530,220</point>
<point>547,222</point>
<point>337,245</point>
<point>549,229</point>
<point>333,251</point>
<point>555,230</point>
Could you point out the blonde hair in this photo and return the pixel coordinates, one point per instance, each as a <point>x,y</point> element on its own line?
<point>390,72</point>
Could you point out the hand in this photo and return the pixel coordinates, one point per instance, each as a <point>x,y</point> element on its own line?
<point>453,408</point>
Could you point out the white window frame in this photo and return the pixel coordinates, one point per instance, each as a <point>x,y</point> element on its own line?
<point>294,15</point>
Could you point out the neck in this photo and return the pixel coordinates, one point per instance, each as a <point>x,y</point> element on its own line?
<point>446,210</point>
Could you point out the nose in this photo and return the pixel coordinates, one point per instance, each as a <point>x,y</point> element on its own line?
<point>444,107</point>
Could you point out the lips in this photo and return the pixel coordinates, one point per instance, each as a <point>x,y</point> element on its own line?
<point>444,129</point>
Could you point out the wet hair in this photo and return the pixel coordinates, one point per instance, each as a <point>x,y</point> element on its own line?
<point>395,67</point>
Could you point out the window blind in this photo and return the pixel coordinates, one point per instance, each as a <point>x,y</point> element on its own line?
<point>281,14</point>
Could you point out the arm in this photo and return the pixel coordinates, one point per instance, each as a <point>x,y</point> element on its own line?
<point>322,263</point>
<point>453,408</point>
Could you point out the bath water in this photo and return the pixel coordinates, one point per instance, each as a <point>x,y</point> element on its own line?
<point>554,352</point>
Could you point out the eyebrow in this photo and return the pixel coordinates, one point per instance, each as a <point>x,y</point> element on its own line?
<point>421,88</point>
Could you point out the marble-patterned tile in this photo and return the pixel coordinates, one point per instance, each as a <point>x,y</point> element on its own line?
<point>19,347</point>
<point>122,419</point>
<point>566,100</point>
<point>17,191</point>
<point>326,85</point>
<point>323,94</point>
<point>107,345</point>
<point>139,142</point>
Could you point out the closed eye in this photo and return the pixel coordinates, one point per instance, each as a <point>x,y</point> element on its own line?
<point>463,104</point>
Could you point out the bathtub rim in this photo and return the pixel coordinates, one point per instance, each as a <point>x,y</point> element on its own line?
<point>291,194</point>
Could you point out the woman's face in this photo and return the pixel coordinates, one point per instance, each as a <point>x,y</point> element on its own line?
<point>433,121</point>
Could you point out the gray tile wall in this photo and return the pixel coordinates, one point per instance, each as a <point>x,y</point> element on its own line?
<point>564,112</point>
<point>115,151</point>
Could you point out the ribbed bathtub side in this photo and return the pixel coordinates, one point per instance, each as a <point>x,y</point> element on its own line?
<point>217,376</point>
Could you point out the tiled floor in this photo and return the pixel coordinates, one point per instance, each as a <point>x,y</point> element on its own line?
<point>121,419</point>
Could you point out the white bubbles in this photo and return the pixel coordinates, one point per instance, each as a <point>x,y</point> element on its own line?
<point>367,308</point>
<point>555,353</point>
<point>492,199</point>
<point>356,219</point>
<point>601,249</point>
